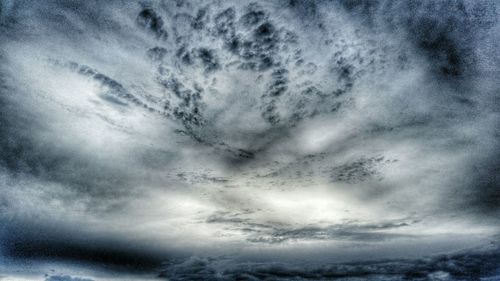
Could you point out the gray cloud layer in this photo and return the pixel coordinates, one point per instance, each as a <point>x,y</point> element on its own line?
<point>461,266</point>
<point>136,133</point>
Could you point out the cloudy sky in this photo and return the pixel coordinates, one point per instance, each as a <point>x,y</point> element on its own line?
<point>249,140</point>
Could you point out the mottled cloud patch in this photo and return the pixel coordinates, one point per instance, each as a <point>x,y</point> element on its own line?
<point>359,170</point>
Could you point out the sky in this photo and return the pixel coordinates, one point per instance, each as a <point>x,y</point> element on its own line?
<point>249,140</point>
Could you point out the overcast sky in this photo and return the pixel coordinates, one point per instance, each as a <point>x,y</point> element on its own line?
<point>235,139</point>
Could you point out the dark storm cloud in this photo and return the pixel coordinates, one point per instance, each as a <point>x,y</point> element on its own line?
<point>52,242</point>
<point>445,31</point>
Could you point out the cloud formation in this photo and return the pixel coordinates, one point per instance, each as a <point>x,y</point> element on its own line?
<point>142,133</point>
<point>65,278</point>
<point>459,266</point>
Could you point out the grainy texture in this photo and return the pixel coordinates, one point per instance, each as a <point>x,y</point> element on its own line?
<point>249,140</point>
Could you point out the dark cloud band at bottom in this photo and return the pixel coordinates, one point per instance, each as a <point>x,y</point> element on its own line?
<point>45,243</point>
